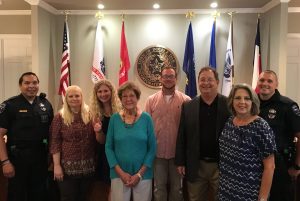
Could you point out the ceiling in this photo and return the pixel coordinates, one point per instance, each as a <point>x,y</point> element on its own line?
<point>139,4</point>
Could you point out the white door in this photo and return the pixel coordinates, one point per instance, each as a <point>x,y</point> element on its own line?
<point>293,67</point>
<point>16,59</point>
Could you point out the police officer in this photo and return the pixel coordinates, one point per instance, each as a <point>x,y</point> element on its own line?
<point>283,116</point>
<point>25,119</point>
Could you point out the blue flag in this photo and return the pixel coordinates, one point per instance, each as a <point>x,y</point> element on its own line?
<point>189,64</point>
<point>212,52</point>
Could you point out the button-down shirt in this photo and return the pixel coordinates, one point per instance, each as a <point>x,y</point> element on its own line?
<point>166,118</point>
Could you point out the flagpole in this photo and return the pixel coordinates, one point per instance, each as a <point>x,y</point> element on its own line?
<point>231,23</point>
<point>66,12</point>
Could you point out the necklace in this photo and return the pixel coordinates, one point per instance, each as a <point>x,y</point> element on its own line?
<point>127,125</point>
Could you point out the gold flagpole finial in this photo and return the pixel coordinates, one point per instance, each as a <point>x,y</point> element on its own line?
<point>258,15</point>
<point>189,15</point>
<point>123,17</point>
<point>215,14</point>
<point>66,13</point>
<point>99,15</point>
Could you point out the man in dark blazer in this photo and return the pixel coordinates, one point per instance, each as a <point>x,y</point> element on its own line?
<point>197,148</point>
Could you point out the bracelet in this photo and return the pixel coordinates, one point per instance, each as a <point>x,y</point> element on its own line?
<point>139,175</point>
<point>4,162</point>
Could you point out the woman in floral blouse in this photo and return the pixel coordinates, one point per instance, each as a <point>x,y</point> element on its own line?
<point>72,145</point>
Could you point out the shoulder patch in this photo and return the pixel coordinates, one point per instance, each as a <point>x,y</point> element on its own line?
<point>2,107</point>
<point>295,109</point>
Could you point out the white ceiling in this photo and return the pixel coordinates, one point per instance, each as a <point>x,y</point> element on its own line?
<point>139,4</point>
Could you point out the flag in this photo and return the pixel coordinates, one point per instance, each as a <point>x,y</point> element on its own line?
<point>229,65</point>
<point>98,68</point>
<point>189,64</point>
<point>65,63</point>
<point>257,59</point>
<point>125,63</point>
<point>212,52</point>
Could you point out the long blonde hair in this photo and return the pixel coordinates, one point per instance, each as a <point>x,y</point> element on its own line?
<point>97,107</point>
<point>66,112</point>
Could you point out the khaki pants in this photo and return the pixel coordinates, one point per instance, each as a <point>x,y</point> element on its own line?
<point>141,192</point>
<point>208,179</point>
<point>165,172</point>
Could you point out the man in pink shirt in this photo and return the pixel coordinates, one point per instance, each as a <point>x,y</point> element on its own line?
<point>165,109</point>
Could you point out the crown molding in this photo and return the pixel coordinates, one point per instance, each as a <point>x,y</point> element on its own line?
<point>294,10</point>
<point>15,36</point>
<point>15,12</point>
<point>160,12</point>
<point>43,5</point>
<point>54,11</point>
<point>293,35</point>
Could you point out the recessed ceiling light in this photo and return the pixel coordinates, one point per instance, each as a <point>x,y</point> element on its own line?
<point>100,6</point>
<point>214,5</point>
<point>156,6</point>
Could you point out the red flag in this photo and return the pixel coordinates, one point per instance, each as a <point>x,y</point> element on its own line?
<point>65,63</point>
<point>125,63</point>
<point>257,60</point>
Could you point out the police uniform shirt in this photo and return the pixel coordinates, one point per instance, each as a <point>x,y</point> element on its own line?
<point>26,122</point>
<point>283,116</point>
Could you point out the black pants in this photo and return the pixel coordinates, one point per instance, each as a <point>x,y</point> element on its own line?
<point>29,182</point>
<point>283,189</point>
<point>74,189</point>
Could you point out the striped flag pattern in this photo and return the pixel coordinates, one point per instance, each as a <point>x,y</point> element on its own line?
<point>65,63</point>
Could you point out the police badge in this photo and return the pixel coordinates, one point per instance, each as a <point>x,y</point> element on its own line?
<point>42,106</point>
<point>150,61</point>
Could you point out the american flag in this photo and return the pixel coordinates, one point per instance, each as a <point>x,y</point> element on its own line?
<point>65,63</point>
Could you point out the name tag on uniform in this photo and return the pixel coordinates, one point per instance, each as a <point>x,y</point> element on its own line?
<point>22,110</point>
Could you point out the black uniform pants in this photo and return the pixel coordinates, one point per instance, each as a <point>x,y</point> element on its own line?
<point>283,189</point>
<point>29,182</point>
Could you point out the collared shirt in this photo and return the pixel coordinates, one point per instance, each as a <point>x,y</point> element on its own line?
<point>283,116</point>
<point>208,136</point>
<point>27,123</point>
<point>166,118</point>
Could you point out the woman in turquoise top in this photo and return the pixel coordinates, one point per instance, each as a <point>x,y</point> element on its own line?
<point>130,148</point>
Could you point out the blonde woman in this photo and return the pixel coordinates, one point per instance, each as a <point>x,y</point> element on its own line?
<point>104,103</point>
<point>72,145</point>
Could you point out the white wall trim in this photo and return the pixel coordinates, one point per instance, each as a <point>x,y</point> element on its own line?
<point>15,36</point>
<point>15,12</point>
<point>294,9</point>
<point>160,12</point>
<point>270,5</point>
<point>54,11</point>
<point>293,35</point>
<point>43,5</point>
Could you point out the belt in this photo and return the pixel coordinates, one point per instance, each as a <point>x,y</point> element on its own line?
<point>209,159</point>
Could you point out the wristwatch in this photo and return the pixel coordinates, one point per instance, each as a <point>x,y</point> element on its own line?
<point>262,199</point>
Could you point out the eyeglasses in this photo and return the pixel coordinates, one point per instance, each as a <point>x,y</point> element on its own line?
<point>168,76</point>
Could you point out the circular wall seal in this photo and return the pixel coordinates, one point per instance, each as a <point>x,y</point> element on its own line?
<point>150,61</point>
